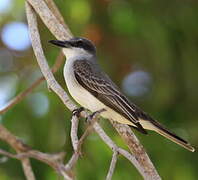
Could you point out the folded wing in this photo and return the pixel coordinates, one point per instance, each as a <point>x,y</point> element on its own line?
<point>99,85</point>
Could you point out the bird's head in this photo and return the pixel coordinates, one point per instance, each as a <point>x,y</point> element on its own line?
<point>76,46</point>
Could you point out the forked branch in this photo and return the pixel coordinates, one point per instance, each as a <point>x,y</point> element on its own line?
<point>52,18</point>
<point>147,169</point>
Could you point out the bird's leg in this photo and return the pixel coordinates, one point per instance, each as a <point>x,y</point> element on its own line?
<point>76,112</point>
<point>91,119</point>
<point>93,116</point>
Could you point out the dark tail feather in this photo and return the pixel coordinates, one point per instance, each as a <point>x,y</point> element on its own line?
<point>171,136</point>
<point>139,129</point>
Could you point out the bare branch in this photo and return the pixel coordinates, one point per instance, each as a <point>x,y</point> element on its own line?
<point>12,140</point>
<point>27,168</point>
<point>112,165</point>
<point>110,143</point>
<point>74,131</point>
<point>24,152</point>
<point>91,120</point>
<point>78,143</point>
<point>25,163</point>
<point>74,140</point>
<point>53,160</point>
<point>147,169</point>
<point>58,62</point>
<point>50,20</point>
<point>8,154</point>
<point>55,23</point>
<point>137,149</point>
<point>114,147</point>
<point>22,95</point>
<point>19,147</point>
<point>36,44</point>
<point>56,13</point>
<point>58,30</point>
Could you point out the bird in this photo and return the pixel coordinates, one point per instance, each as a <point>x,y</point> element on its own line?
<point>92,89</point>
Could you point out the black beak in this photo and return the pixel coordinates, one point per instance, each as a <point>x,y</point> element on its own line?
<point>65,44</point>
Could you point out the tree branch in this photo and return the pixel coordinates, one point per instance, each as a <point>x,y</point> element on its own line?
<point>27,168</point>
<point>56,13</point>
<point>138,151</point>
<point>114,147</point>
<point>74,131</point>
<point>38,51</point>
<point>92,119</point>
<point>77,144</point>
<point>112,165</point>
<point>50,20</point>
<point>20,96</point>
<point>25,163</point>
<point>6,136</point>
<point>24,152</point>
<point>147,169</point>
<point>55,23</point>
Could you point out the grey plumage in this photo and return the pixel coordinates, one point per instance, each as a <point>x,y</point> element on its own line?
<point>90,76</point>
<point>94,90</point>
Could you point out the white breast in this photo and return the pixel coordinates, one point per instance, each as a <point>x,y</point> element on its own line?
<point>86,99</point>
<point>82,96</point>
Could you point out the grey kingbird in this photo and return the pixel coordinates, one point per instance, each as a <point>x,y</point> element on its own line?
<point>94,90</point>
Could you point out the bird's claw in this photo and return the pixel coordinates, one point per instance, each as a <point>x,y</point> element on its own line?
<point>93,115</point>
<point>76,112</point>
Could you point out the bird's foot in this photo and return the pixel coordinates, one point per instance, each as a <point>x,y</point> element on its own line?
<point>76,112</point>
<point>93,116</point>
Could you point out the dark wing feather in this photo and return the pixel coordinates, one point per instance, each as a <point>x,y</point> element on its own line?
<point>99,84</point>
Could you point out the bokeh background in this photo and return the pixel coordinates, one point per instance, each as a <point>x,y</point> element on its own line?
<point>148,47</point>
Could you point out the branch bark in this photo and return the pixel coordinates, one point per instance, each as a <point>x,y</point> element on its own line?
<point>147,169</point>
<point>24,152</point>
<point>138,150</point>
<point>20,96</point>
<point>55,23</point>
<point>19,147</point>
<point>27,168</point>
<point>112,165</point>
<point>38,51</point>
<point>59,30</point>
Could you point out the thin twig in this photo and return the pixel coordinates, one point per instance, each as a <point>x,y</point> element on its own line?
<point>53,8</point>
<point>19,147</point>
<point>21,96</point>
<point>92,119</point>
<point>74,140</point>
<point>58,62</point>
<point>74,131</point>
<point>70,164</point>
<point>24,152</point>
<point>138,150</point>
<point>58,30</point>
<point>114,147</point>
<point>27,168</point>
<point>147,169</point>
<point>50,20</point>
<point>8,154</point>
<point>110,143</point>
<point>112,165</point>
<point>77,144</point>
<point>62,32</point>
<point>25,163</point>
<point>38,51</point>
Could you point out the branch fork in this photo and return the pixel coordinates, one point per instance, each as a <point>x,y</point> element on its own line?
<point>51,17</point>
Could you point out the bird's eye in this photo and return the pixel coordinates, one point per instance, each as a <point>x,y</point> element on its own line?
<point>79,43</point>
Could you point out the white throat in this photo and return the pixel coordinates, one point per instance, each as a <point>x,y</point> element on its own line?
<point>76,53</point>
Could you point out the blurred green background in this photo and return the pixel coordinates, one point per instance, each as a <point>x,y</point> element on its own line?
<point>148,47</point>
